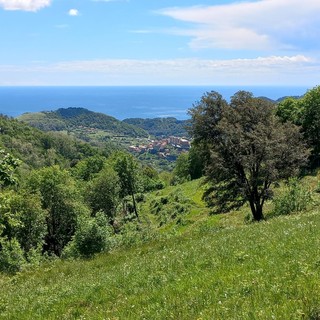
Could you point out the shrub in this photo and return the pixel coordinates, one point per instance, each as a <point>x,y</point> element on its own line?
<point>134,233</point>
<point>171,207</point>
<point>92,236</point>
<point>11,256</point>
<point>296,198</point>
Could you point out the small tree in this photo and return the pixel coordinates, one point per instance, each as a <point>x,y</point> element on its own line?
<point>182,168</point>
<point>22,217</point>
<point>249,151</point>
<point>102,193</point>
<point>62,203</point>
<point>127,169</point>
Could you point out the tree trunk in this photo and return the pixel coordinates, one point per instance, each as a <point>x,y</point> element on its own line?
<point>135,206</point>
<point>256,209</point>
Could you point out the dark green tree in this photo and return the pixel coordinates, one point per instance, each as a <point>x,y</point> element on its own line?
<point>62,202</point>
<point>87,168</point>
<point>197,159</point>
<point>249,151</point>
<point>311,122</point>
<point>182,168</point>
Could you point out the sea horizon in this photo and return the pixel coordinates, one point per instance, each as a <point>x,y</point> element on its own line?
<point>124,102</point>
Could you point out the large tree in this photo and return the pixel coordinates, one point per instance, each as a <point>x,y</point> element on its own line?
<point>249,150</point>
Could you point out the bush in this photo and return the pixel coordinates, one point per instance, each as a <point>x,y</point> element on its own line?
<point>134,233</point>
<point>296,198</point>
<point>11,256</point>
<point>92,236</point>
<point>170,208</point>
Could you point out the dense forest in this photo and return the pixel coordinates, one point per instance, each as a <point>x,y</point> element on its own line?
<point>65,198</point>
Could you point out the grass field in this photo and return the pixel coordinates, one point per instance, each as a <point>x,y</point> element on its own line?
<point>214,270</point>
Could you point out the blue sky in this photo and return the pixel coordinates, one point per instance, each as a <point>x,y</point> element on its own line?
<point>148,42</point>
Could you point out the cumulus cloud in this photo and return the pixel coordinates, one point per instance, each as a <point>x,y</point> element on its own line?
<point>25,5</point>
<point>258,25</point>
<point>73,12</point>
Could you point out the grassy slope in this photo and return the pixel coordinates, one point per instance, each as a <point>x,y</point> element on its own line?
<point>218,268</point>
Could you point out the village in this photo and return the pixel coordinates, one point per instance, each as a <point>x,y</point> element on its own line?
<point>164,147</point>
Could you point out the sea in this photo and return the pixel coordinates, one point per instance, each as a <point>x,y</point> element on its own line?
<point>125,102</point>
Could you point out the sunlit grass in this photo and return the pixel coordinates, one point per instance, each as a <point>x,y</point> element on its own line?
<point>268,270</point>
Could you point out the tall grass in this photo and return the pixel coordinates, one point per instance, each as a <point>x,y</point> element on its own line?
<point>269,270</point>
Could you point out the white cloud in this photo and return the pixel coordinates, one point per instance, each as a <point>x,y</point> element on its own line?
<point>258,25</point>
<point>272,70</point>
<point>25,5</point>
<point>73,12</point>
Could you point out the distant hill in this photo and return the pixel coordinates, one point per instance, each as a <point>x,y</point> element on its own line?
<point>71,119</point>
<point>283,98</point>
<point>37,148</point>
<point>280,99</point>
<point>161,126</point>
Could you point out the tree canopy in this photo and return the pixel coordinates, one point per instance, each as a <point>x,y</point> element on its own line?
<point>249,149</point>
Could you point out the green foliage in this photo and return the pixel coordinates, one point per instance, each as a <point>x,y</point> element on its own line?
<point>197,160</point>
<point>161,126</point>
<point>259,271</point>
<point>102,193</point>
<point>290,109</point>
<point>92,236</point>
<point>190,165</point>
<point>32,228</point>
<point>311,122</point>
<point>62,202</point>
<point>249,150</point>
<point>205,115</point>
<point>295,198</point>
<point>172,207</point>
<point>149,179</point>
<point>9,220</point>
<point>126,167</point>
<point>37,149</point>
<point>8,166</point>
<point>134,233</point>
<point>182,168</point>
<point>87,168</point>
<point>71,118</point>
<point>11,256</point>
<point>22,217</point>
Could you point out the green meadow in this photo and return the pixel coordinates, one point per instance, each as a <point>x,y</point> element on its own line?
<point>205,267</point>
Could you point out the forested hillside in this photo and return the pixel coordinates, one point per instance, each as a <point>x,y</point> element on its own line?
<point>161,126</point>
<point>37,148</point>
<point>81,119</point>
